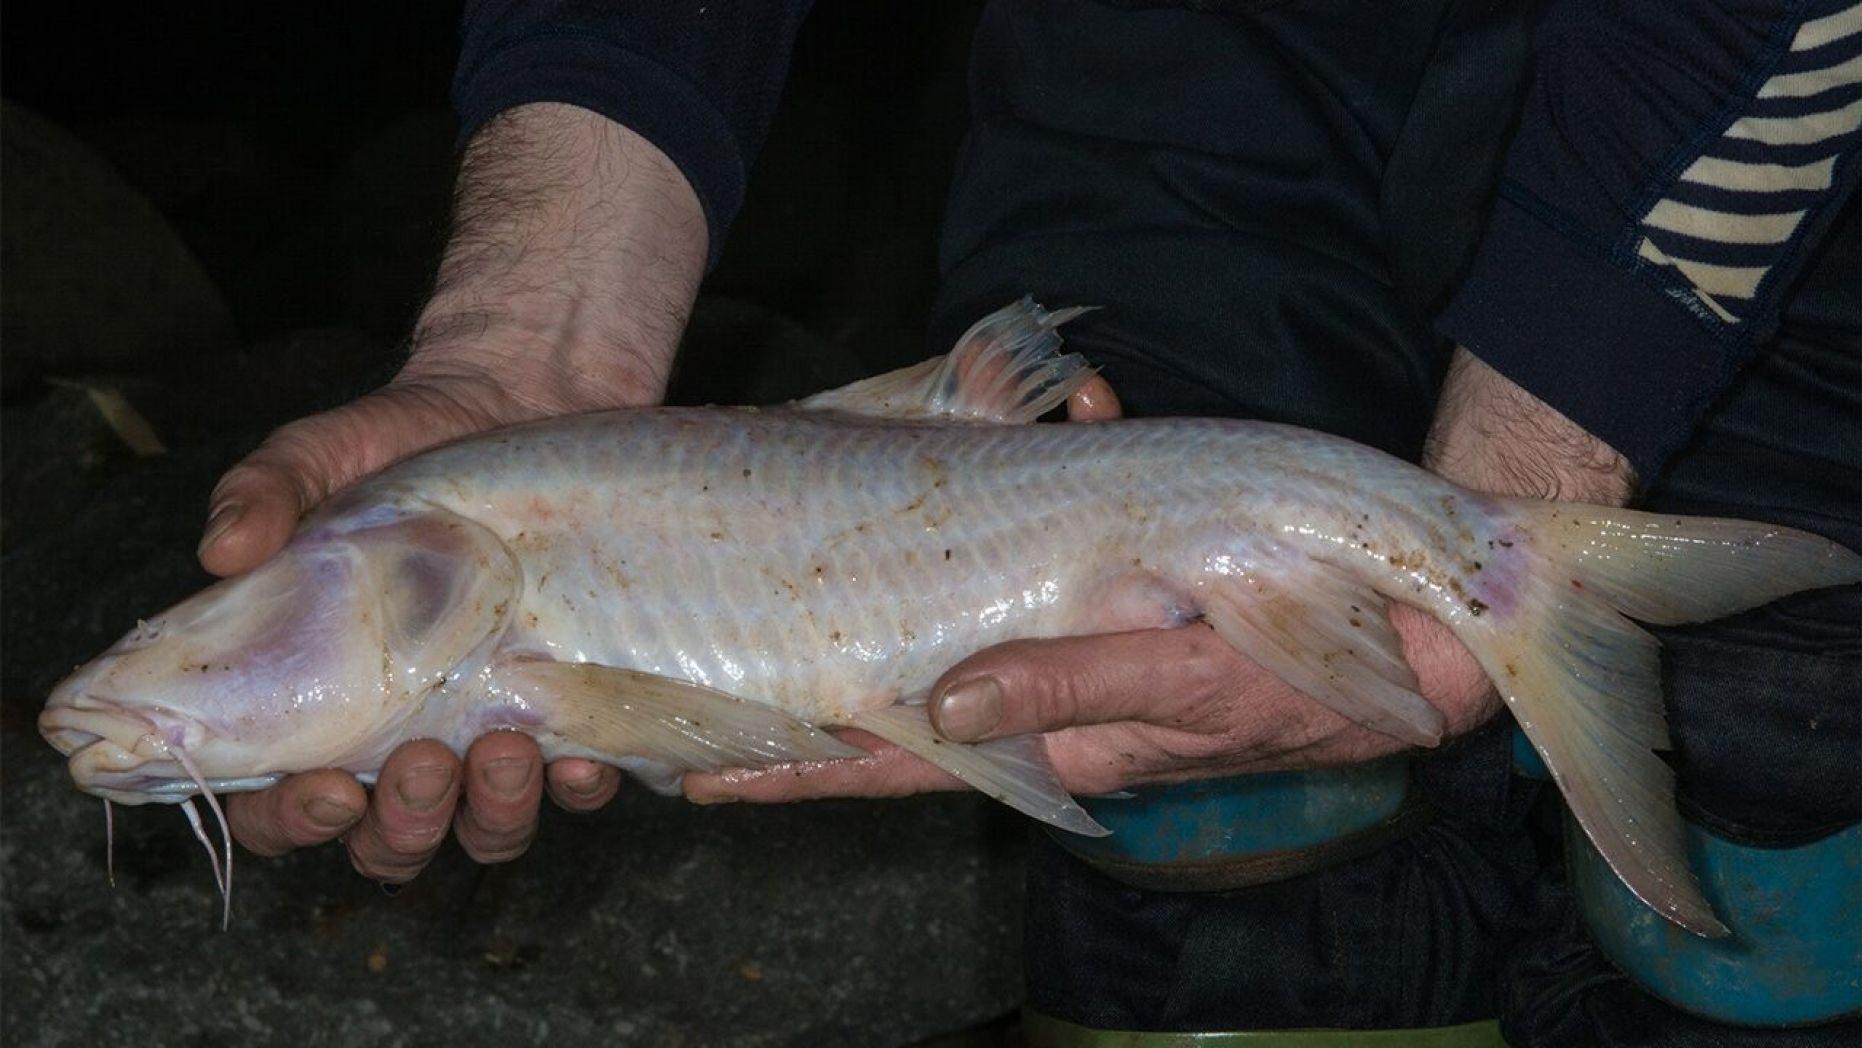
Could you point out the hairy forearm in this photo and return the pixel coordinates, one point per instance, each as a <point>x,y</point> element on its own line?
<point>576,252</point>
<point>1491,435</point>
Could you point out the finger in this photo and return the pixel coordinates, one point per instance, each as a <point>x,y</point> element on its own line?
<point>582,786</point>
<point>410,811</point>
<point>503,786</point>
<point>1094,402</point>
<point>1447,673</point>
<point>303,810</point>
<point>1046,685</point>
<point>256,505</point>
<point>258,502</point>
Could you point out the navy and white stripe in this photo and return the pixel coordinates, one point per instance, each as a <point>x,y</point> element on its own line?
<point>1732,215</point>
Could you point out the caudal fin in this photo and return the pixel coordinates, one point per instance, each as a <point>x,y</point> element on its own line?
<point>1585,683</point>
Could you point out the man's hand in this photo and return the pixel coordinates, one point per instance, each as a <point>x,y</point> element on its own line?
<point>1172,705</point>
<point>1491,435</point>
<point>576,252</point>
<point>1124,709</point>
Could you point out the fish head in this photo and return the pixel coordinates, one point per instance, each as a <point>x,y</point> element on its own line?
<point>317,658</point>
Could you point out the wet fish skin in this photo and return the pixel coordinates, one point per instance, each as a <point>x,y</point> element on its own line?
<point>679,588</point>
<point>728,555</point>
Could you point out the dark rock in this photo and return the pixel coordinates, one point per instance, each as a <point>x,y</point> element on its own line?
<point>54,450</point>
<point>189,166</point>
<point>96,279</point>
<point>235,197</point>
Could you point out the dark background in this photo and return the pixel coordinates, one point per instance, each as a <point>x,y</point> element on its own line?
<point>228,216</point>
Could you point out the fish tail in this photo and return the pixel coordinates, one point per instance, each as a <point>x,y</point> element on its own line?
<point>1584,682</point>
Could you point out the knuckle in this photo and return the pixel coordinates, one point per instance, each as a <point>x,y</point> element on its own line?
<point>1058,696</point>
<point>414,839</point>
<point>388,872</point>
<point>366,861</point>
<point>499,821</point>
<point>496,848</point>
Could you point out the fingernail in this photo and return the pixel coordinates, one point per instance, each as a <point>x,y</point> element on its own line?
<point>508,775</point>
<point>390,890</point>
<point>221,522</point>
<point>326,814</point>
<point>424,788</point>
<point>586,786</point>
<point>970,710</point>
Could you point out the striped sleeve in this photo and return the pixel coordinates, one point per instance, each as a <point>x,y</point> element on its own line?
<point>1674,166</point>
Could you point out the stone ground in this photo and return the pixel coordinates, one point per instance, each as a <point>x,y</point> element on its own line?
<point>228,256</point>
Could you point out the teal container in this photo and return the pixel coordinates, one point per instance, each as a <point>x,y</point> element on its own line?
<point>1249,829</point>
<point>1795,955</point>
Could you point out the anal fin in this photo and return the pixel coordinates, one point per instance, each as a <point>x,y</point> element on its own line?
<point>626,716</point>
<point>1014,771</point>
<point>1328,635</point>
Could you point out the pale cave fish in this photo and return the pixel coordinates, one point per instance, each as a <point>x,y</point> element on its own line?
<point>706,588</point>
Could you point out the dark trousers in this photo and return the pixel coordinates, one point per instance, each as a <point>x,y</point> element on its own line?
<point>1269,201</point>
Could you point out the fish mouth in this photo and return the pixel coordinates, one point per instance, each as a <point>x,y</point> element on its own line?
<point>71,729</point>
<point>123,756</point>
<point>113,752</point>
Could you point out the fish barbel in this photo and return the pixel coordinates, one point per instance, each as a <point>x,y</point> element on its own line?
<point>680,589</point>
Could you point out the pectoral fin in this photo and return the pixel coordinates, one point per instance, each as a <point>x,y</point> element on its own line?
<point>1014,771</point>
<point>625,716</point>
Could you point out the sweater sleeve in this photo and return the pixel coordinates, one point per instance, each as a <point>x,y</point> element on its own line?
<point>698,78</point>
<point>1674,165</point>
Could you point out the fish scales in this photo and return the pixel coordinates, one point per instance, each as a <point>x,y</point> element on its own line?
<point>802,561</point>
<point>679,589</point>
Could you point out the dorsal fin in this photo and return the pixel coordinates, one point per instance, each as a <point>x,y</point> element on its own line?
<point>1007,368</point>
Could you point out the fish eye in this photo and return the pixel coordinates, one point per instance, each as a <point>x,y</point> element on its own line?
<point>420,589</point>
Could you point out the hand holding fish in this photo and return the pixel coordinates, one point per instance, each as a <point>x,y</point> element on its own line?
<point>419,793</point>
<point>1127,709</point>
<point>537,312</point>
<point>1153,706</point>
<point>695,590</point>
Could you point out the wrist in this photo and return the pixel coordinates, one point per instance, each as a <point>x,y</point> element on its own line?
<point>1490,434</point>
<point>535,372</point>
<point>576,253</point>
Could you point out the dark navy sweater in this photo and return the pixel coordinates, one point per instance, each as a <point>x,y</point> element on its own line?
<point>1669,259</point>
<point>1673,166</point>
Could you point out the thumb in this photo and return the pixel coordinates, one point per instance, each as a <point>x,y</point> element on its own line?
<point>1094,402</point>
<point>256,505</point>
<point>1046,685</point>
